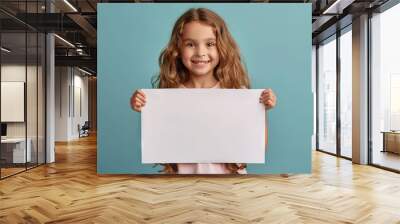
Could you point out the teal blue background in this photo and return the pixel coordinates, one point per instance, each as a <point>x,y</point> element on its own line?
<point>275,43</point>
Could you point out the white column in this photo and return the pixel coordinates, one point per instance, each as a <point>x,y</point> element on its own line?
<point>50,91</point>
<point>360,90</point>
<point>50,100</point>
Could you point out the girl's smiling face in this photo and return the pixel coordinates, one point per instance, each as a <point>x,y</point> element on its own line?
<point>198,49</point>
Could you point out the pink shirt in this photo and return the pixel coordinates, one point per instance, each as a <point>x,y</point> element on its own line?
<point>205,168</point>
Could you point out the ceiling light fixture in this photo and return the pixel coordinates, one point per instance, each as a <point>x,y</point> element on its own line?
<point>70,5</point>
<point>65,41</point>
<point>337,7</point>
<point>84,71</point>
<point>79,51</point>
<point>5,50</point>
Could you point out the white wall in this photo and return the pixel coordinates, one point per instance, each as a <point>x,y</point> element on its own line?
<point>80,110</point>
<point>62,81</point>
<point>15,72</point>
<point>71,102</point>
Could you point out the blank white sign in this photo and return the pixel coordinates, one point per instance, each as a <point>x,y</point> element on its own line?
<point>203,126</point>
<point>12,101</point>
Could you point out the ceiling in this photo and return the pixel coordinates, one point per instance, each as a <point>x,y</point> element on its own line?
<point>76,22</point>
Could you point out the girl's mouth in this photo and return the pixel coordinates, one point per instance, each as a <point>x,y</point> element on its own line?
<point>200,62</point>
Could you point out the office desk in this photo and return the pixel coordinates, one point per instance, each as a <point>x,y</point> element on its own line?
<point>391,141</point>
<point>13,150</point>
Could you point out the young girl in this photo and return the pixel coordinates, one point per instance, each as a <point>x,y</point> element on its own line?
<point>202,54</point>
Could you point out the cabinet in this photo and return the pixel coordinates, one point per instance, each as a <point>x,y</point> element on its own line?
<point>391,141</point>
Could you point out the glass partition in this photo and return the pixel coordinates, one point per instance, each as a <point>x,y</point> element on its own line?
<point>14,154</point>
<point>22,77</point>
<point>327,95</point>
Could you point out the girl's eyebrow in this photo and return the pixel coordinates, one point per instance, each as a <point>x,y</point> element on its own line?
<point>188,39</point>
<point>207,39</point>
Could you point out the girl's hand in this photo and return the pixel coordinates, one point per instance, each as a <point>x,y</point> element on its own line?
<point>138,100</point>
<point>268,98</point>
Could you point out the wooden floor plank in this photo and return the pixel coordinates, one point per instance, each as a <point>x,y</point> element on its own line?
<point>70,191</point>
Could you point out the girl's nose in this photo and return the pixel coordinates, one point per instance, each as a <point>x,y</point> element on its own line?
<point>201,51</point>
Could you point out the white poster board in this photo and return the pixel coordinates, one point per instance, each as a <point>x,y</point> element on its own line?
<point>203,126</point>
<point>12,101</point>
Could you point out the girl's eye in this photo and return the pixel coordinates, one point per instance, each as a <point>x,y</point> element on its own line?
<point>210,44</point>
<point>189,45</point>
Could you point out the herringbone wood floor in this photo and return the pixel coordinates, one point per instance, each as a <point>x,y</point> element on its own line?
<point>70,191</point>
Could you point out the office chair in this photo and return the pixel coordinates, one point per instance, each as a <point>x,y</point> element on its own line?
<point>84,130</point>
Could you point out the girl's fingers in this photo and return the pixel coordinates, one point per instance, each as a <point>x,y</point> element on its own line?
<point>135,108</point>
<point>138,109</point>
<point>139,106</point>
<point>140,101</point>
<point>141,93</point>
<point>141,98</point>
<point>133,101</point>
<point>266,92</point>
<point>268,102</point>
<point>268,105</point>
<point>265,98</point>
<point>268,98</point>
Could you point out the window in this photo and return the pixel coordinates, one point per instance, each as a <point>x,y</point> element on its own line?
<point>327,95</point>
<point>385,87</point>
<point>346,74</point>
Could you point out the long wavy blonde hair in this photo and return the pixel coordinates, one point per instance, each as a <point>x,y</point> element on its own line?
<point>230,72</point>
